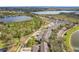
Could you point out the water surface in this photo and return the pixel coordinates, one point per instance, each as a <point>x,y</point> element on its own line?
<point>15,19</point>
<point>52,12</point>
<point>75,41</point>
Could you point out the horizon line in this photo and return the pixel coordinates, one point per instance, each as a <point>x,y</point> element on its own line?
<point>45,6</point>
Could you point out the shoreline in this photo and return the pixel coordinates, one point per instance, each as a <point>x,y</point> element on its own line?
<point>69,40</point>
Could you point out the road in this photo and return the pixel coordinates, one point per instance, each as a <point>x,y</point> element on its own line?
<point>46,32</point>
<point>43,34</point>
<point>21,46</point>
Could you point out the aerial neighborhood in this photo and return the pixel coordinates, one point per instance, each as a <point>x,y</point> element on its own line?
<point>39,29</point>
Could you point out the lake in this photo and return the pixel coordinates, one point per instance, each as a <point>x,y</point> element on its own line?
<point>15,19</point>
<point>52,12</point>
<point>75,41</point>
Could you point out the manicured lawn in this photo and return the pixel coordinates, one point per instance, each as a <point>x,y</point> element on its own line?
<point>68,34</point>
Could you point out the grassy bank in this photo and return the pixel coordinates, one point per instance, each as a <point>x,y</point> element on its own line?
<point>67,36</point>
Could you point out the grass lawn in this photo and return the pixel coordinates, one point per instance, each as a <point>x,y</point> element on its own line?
<point>68,34</point>
<point>64,17</point>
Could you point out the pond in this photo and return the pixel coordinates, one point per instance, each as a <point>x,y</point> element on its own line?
<point>75,41</point>
<point>52,12</point>
<point>15,19</point>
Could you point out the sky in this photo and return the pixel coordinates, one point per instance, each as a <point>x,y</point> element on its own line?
<point>39,2</point>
